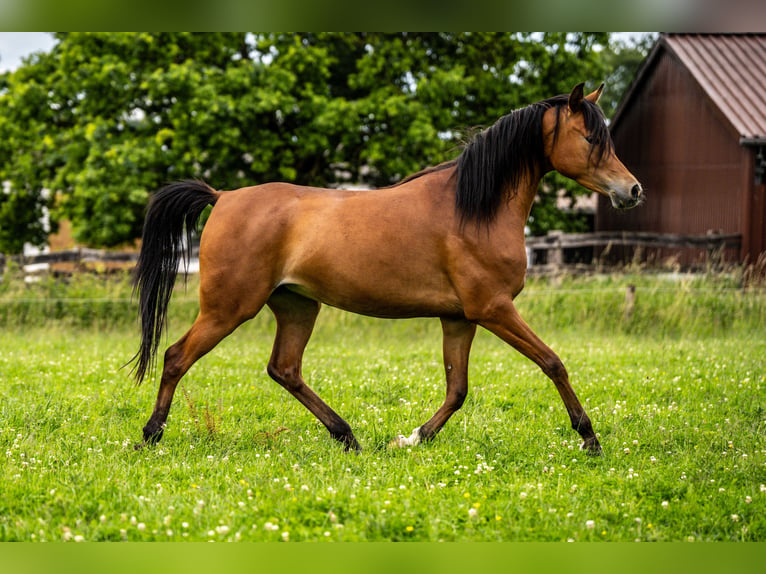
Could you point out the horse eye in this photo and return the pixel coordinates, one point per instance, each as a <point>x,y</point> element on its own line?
<point>590,139</point>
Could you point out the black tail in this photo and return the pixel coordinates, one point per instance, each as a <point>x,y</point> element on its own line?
<point>173,208</point>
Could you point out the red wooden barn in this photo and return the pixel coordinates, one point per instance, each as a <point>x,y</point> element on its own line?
<point>692,128</point>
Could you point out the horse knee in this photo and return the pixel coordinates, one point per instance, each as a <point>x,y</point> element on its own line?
<point>171,367</point>
<point>554,368</point>
<point>288,377</point>
<point>456,398</point>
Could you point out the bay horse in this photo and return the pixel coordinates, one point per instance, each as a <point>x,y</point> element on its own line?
<point>446,242</point>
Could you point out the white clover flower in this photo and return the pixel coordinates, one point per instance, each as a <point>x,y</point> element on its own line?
<point>590,524</point>
<point>665,504</point>
<point>735,517</point>
<point>285,536</point>
<point>472,512</point>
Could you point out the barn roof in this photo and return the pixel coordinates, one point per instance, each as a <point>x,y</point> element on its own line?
<point>730,69</point>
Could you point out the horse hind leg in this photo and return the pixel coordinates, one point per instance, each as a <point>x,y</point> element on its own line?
<point>458,337</point>
<point>206,332</point>
<point>295,317</point>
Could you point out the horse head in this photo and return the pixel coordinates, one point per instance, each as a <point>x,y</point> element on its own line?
<point>578,145</point>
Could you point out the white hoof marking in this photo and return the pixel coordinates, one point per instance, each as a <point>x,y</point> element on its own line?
<point>401,441</point>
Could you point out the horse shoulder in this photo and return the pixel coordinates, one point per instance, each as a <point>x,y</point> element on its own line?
<point>486,266</point>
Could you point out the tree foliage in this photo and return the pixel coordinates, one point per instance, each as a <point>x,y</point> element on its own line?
<point>90,129</point>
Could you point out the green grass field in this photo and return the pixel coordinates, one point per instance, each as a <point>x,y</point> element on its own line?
<point>676,391</point>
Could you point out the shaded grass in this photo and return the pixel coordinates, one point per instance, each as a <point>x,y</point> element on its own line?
<point>681,418</point>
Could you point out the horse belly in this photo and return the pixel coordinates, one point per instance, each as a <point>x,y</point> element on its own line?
<point>379,282</point>
<point>378,304</point>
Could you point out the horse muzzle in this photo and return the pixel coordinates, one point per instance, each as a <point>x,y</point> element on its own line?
<point>627,198</point>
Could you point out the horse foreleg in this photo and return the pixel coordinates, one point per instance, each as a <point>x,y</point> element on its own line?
<point>458,336</point>
<point>504,321</point>
<point>206,332</point>
<point>295,317</point>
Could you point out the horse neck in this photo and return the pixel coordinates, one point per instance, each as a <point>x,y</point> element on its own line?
<point>523,197</point>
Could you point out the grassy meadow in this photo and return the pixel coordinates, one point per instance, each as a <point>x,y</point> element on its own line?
<point>675,386</point>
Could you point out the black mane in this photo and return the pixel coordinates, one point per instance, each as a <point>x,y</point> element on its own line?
<point>493,163</point>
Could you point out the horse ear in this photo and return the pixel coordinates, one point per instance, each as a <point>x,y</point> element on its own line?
<point>594,96</point>
<point>576,97</point>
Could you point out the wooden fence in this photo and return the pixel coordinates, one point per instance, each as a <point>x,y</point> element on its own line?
<point>73,260</point>
<point>554,251</point>
<point>551,252</point>
<point>77,256</point>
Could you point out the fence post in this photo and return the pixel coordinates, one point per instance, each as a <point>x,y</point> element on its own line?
<point>556,252</point>
<point>630,302</point>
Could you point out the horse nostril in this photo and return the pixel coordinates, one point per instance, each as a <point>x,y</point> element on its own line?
<point>635,191</point>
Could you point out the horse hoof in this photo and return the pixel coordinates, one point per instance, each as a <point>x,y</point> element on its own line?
<point>399,441</point>
<point>153,434</point>
<point>353,446</point>
<point>149,441</point>
<point>591,448</point>
<point>402,441</point>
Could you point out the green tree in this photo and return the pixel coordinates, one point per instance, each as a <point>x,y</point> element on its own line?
<point>623,60</point>
<point>25,164</point>
<point>96,121</point>
<point>106,118</point>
